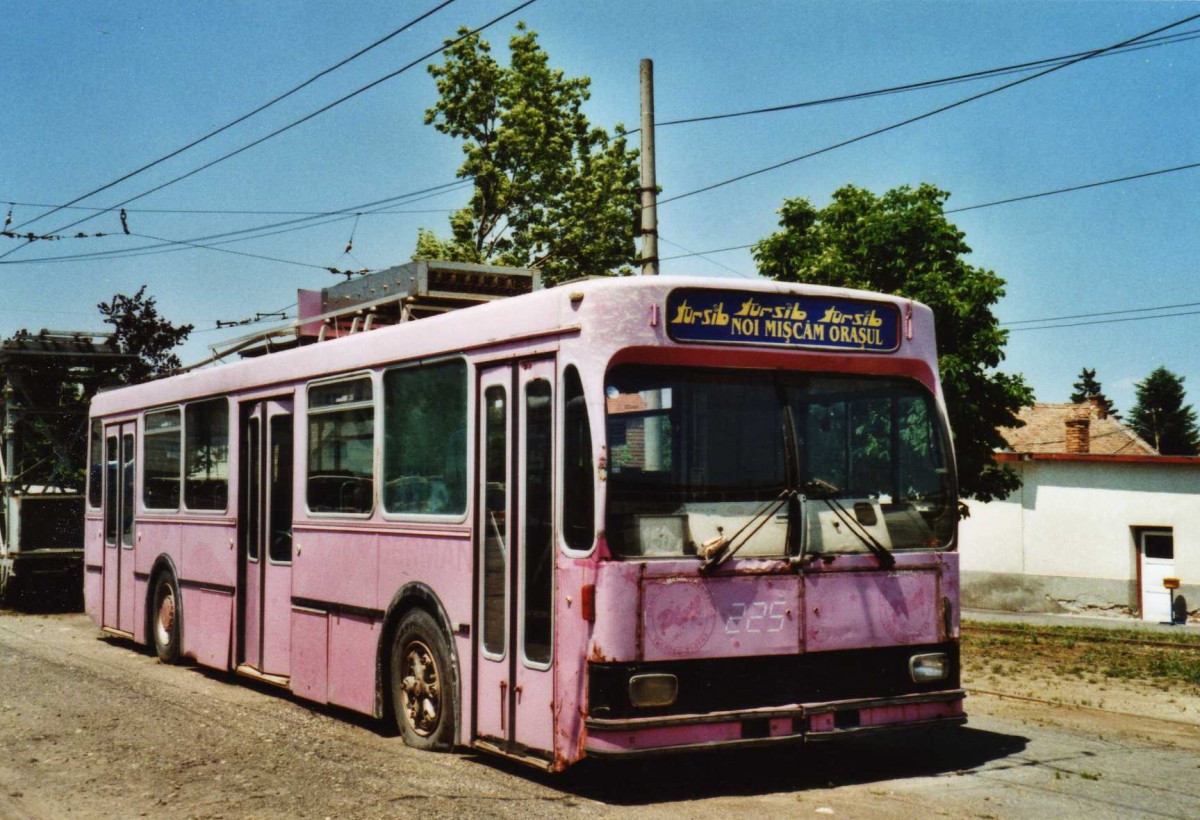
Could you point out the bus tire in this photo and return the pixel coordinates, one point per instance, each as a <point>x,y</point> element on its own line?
<point>164,618</point>
<point>424,694</point>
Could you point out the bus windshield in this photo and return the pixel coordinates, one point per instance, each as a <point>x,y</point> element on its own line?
<point>696,456</point>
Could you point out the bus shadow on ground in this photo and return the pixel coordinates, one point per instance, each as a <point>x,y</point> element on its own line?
<point>752,772</point>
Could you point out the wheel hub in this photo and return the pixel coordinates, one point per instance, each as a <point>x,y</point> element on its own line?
<point>420,689</point>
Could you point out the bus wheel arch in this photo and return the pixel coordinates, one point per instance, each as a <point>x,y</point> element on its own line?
<point>164,611</point>
<point>419,598</point>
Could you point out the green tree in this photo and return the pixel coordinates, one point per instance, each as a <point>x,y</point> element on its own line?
<point>902,243</point>
<point>138,329</point>
<point>1160,417</point>
<point>1087,388</point>
<point>550,191</point>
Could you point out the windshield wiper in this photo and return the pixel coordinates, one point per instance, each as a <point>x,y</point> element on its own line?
<point>819,488</point>
<point>717,551</point>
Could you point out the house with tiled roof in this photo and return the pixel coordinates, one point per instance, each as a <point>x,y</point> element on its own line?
<point>1075,429</point>
<point>1099,525</point>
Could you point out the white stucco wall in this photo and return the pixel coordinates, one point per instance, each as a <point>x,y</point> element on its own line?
<point>1076,520</point>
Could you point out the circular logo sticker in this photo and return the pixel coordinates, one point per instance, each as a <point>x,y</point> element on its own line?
<point>679,617</point>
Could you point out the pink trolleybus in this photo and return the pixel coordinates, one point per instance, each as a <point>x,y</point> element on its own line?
<point>614,517</point>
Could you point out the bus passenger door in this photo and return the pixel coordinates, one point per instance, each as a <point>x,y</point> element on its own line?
<point>514,636</point>
<point>119,470</point>
<point>265,538</point>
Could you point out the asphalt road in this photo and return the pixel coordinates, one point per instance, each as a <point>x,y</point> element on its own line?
<point>91,727</point>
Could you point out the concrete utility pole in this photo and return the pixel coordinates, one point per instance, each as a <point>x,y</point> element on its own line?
<point>649,187</point>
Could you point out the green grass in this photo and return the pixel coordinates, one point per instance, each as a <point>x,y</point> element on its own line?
<point>1079,651</point>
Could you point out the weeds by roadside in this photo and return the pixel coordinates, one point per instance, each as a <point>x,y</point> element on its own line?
<point>1087,654</point>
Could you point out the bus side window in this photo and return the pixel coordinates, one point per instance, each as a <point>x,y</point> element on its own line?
<point>578,515</point>
<point>341,447</point>
<point>96,466</point>
<point>160,467</point>
<point>206,467</point>
<point>425,441</point>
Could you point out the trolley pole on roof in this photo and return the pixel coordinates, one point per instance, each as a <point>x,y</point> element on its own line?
<point>649,187</point>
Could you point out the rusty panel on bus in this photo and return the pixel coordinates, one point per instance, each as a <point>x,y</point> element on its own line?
<point>688,616</point>
<point>861,610</point>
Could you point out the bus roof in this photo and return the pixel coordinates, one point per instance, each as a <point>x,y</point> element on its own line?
<point>604,313</point>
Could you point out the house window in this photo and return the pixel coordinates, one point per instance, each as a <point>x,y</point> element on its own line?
<point>1159,545</point>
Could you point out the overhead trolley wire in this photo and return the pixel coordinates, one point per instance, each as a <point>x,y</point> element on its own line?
<point>702,253</point>
<point>244,117</point>
<point>928,114</point>
<point>224,211</point>
<point>1103,313</point>
<point>303,119</point>
<point>705,258</point>
<point>1109,321</point>
<point>1022,198</point>
<point>229,250</point>
<point>284,226</point>
<point>1168,39</point>
<point>1074,188</point>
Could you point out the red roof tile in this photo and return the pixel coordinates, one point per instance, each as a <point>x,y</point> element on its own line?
<point>1045,431</point>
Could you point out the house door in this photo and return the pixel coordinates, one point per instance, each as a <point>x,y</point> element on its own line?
<point>265,533</point>
<point>119,470</point>
<point>514,638</point>
<point>1156,551</point>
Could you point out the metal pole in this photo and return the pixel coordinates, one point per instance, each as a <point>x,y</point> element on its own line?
<point>649,187</point>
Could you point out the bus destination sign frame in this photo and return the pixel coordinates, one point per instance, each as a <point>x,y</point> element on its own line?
<point>737,317</point>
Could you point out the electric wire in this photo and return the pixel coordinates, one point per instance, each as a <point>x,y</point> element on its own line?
<point>262,317</point>
<point>1104,313</point>
<point>1022,198</point>
<point>302,120</point>
<point>702,256</point>
<point>1156,42</point>
<point>1107,321</point>
<point>228,250</point>
<point>302,222</point>
<point>1073,188</point>
<point>926,115</point>
<point>702,253</point>
<point>222,211</point>
<point>244,117</point>
<point>1170,39</point>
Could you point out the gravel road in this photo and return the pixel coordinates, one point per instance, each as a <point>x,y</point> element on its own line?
<point>91,727</point>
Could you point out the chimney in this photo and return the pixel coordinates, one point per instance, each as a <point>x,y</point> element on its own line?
<point>1079,431</point>
<point>1098,408</point>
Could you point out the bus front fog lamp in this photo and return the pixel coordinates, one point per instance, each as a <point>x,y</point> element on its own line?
<point>647,691</point>
<point>931,667</point>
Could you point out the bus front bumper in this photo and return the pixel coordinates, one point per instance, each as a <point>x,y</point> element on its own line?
<point>763,727</point>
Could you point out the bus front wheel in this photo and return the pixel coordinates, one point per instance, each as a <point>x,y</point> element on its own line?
<point>166,614</point>
<point>423,694</point>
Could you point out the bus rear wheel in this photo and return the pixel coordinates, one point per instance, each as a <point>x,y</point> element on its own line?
<point>423,691</point>
<point>166,614</point>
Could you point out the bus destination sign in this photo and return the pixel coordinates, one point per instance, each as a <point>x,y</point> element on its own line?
<point>705,316</point>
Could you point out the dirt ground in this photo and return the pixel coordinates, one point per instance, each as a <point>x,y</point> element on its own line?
<point>1093,676</point>
<point>91,727</point>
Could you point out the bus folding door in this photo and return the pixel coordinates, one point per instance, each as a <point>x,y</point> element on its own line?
<point>514,634</point>
<point>265,533</point>
<point>119,470</point>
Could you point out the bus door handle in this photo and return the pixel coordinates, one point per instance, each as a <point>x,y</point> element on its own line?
<point>503,703</point>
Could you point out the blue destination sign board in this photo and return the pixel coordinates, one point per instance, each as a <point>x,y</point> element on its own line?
<point>703,316</point>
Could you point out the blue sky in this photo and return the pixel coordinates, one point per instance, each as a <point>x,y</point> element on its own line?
<point>93,90</point>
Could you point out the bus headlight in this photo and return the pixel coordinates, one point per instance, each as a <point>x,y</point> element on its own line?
<point>653,690</point>
<point>931,667</point>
